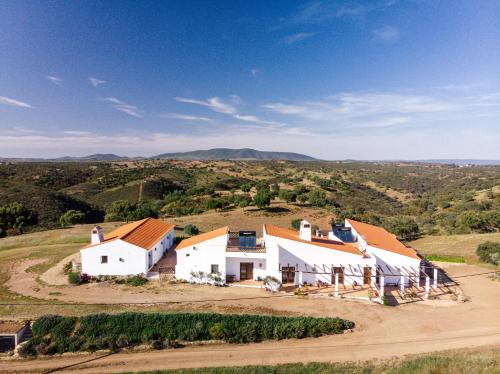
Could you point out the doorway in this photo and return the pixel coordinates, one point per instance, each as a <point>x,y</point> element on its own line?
<point>246,270</point>
<point>288,274</point>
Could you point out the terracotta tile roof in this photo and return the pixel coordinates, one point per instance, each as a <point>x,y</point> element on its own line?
<point>381,238</point>
<point>203,237</point>
<point>316,241</point>
<point>144,233</point>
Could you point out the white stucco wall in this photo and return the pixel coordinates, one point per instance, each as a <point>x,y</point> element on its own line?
<point>389,262</point>
<point>259,266</point>
<point>123,259</point>
<point>201,256</point>
<point>286,252</point>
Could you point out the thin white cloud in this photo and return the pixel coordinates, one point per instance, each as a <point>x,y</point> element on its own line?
<point>294,38</point>
<point>378,109</point>
<point>214,103</point>
<point>12,102</point>
<point>386,34</point>
<point>255,73</point>
<point>186,117</point>
<point>96,82</point>
<point>122,106</point>
<point>56,80</point>
<point>461,87</point>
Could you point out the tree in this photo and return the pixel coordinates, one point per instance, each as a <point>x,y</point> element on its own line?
<point>120,210</point>
<point>287,195</point>
<point>262,199</point>
<point>15,216</point>
<point>403,226</point>
<point>191,229</point>
<point>472,222</point>
<point>317,198</point>
<point>71,217</point>
<point>302,198</point>
<point>489,252</point>
<point>296,223</point>
<point>246,187</point>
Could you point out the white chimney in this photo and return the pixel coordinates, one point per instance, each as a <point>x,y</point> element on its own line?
<point>96,236</point>
<point>305,231</point>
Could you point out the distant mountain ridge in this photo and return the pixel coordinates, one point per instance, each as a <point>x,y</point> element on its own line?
<point>94,157</point>
<point>234,154</point>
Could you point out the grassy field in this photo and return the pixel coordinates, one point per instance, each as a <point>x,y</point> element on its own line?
<point>453,245</point>
<point>477,361</point>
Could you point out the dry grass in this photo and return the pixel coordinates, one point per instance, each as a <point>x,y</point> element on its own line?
<point>252,218</point>
<point>454,245</point>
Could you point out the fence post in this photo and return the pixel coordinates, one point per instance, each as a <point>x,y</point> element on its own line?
<point>381,286</point>
<point>427,286</point>
<point>435,280</point>
<point>336,284</point>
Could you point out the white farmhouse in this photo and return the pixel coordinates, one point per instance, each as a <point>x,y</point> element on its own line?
<point>130,249</point>
<point>292,257</point>
<point>394,259</point>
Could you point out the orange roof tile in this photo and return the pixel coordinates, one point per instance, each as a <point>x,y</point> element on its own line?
<point>381,238</point>
<point>317,241</point>
<point>144,233</point>
<point>203,237</point>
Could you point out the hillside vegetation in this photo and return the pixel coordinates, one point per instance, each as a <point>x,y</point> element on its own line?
<point>408,199</point>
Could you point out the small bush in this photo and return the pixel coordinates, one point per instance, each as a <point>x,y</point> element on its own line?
<point>136,280</point>
<point>191,229</point>
<point>489,252</point>
<point>74,278</point>
<point>68,268</point>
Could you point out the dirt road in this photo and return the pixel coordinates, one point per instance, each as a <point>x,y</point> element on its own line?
<point>381,332</point>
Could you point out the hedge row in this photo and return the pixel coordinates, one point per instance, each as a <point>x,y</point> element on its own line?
<point>57,334</point>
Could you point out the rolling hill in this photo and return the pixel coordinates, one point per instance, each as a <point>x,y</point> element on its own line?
<point>234,154</point>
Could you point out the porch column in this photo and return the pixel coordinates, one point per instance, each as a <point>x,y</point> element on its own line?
<point>300,279</point>
<point>435,278</point>
<point>427,286</point>
<point>402,284</point>
<point>381,286</point>
<point>336,284</point>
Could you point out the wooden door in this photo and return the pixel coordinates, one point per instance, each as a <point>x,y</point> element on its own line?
<point>340,271</point>
<point>246,270</point>
<point>367,275</point>
<point>288,274</point>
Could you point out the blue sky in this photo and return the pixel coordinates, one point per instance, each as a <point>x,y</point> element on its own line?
<point>332,79</point>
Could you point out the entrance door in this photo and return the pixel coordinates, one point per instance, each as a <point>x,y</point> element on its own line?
<point>246,270</point>
<point>288,274</point>
<point>367,275</point>
<point>340,271</point>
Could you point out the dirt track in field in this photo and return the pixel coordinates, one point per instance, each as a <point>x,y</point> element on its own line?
<point>381,332</point>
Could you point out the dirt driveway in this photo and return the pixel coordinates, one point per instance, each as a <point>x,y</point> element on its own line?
<point>381,332</point>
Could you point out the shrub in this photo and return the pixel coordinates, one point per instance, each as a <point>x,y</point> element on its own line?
<point>74,278</point>
<point>296,223</point>
<point>272,283</point>
<point>59,334</point>
<point>489,252</point>
<point>71,217</point>
<point>262,199</point>
<point>68,268</point>
<point>191,229</point>
<point>136,280</point>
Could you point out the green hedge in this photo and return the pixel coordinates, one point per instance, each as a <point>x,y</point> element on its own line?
<point>53,333</point>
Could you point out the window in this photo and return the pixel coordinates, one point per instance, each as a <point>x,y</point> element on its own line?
<point>214,268</point>
<point>104,259</point>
